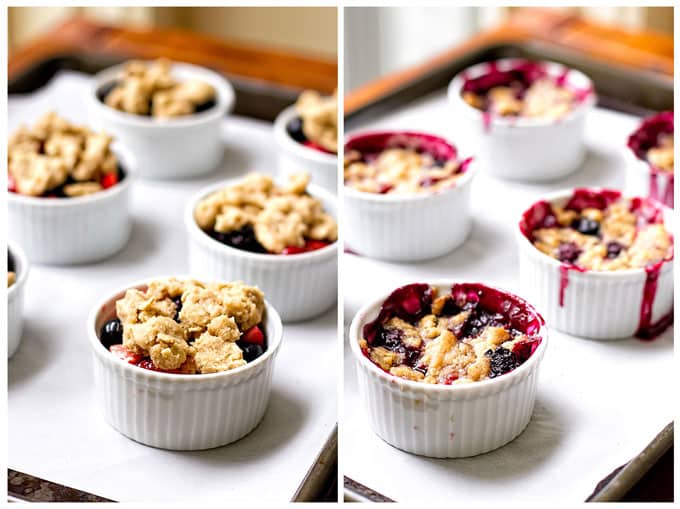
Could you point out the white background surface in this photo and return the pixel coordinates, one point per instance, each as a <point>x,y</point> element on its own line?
<point>598,403</point>
<point>55,427</point>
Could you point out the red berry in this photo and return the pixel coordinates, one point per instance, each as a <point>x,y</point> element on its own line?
<point>127,355</point>
<point>314,146</point>
<point>253,336</point>
<point>313,245</point>
<point>109,180</point>
<point>291,250</point>
<point>11,184</point>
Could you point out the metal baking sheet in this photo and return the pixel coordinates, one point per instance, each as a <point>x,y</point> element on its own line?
<point>56,432</point>
<point>583,427</point>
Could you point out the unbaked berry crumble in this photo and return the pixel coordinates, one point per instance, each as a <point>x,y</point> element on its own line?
<point>11,270</point>
<point>58,159</point>
<point>600,230</point>
<point>149,89</point>
<point>401,163</point>
<point>256,215</point>
<point>526,89</point>
<point>316,123</point>
<point>653,141</point>
<point>188,327</point>
<point>470,334</point>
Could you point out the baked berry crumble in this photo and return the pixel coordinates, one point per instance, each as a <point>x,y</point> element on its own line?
<point>401,163</point>
<point>257,216</point>
<point>653,141</point>
<point>149,89</point>
<point>188,327</point>
<point>470,334</point>
<point>58,159</point>
<point>600,230</point>
<point>11,270</point>
<point>316,123</point>
<point>526,89</point>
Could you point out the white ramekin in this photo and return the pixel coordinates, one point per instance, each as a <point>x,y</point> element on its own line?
<point>15,299</point>
<point>444,421</point>
<point>181,412</point>
<point>642,179</point>
<point>299,286</point>
<point>293,157</point>
<point>83,229</point>
<point>181,147</point>
<point>407,228</point>
<point>531,150</point>
<point>600,305</point>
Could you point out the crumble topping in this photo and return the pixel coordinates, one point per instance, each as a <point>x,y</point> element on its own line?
<point>279,217</point>
<point>188,325</point>
<point>401,171</point>
<point>149,89</point>
<point>11,278</point>
<point>319,116</point>
<point>662,156</point>
<point>603,232</point>
<point>58,157</point>
<point>473,333</point>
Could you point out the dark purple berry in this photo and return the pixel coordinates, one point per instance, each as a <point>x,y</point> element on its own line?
<point>111,333</point>
<point>178,304</point>
<point>613,249</point>
<point>568,252</point>
<point>586,226</point>
<point>205,106</point>
<point>10,262</point>
<point>502,361</point>
<point>241,239</point>
<point>250,351</point>
<point>295,131</point>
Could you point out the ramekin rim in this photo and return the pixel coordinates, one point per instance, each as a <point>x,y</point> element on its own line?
<point>224,87</point>
<point>19,254</point>
<point>100,350</point>
<point>287,143</point>
<point>199,235</point>
<point>470,172</point>
<point>477,389</point>
<point>526,244</point>
<point>455,97</point>
<point>131,174</point>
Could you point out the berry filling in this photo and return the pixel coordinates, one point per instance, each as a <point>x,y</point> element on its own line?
<point>472,333</point>
<point>402,163</point>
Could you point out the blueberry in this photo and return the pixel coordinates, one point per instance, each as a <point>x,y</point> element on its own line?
<point>502,361</point>
<point>205,106</point>
<point>586,226</point>
<point>295,131</point>
<point>614,249</point>
<point>241,239</point>
<point>568,252</point>
<point>178,303</point>
<point>390,339</point>
<point>111,333</point>
<point>10,262</point>
<point>250,351</point>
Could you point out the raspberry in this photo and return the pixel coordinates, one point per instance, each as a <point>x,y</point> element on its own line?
<point>109,180</point>
<point>253,336</point>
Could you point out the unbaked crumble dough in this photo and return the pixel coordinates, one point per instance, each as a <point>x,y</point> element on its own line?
<point>281,216</point>
<point>400,171</point>
<point>542,99</point>
<point>44,156</point>
<point>150,89</point>
<point>319,118</point>
<point>212,318</point>
<point>443,356</point>
<point>662,156</point>
<point>642,245</point>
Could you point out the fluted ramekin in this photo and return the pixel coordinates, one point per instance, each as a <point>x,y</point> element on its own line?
<point>601,305</point>
<point>525,149</point>
<point>15,299</point>
<point>445,421</point>
<point>83,229</point>
<point>299,286</point>
<point>293,157</point>
<point>406,228</point>
<point>181,412</point>
<point>174,148</point>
